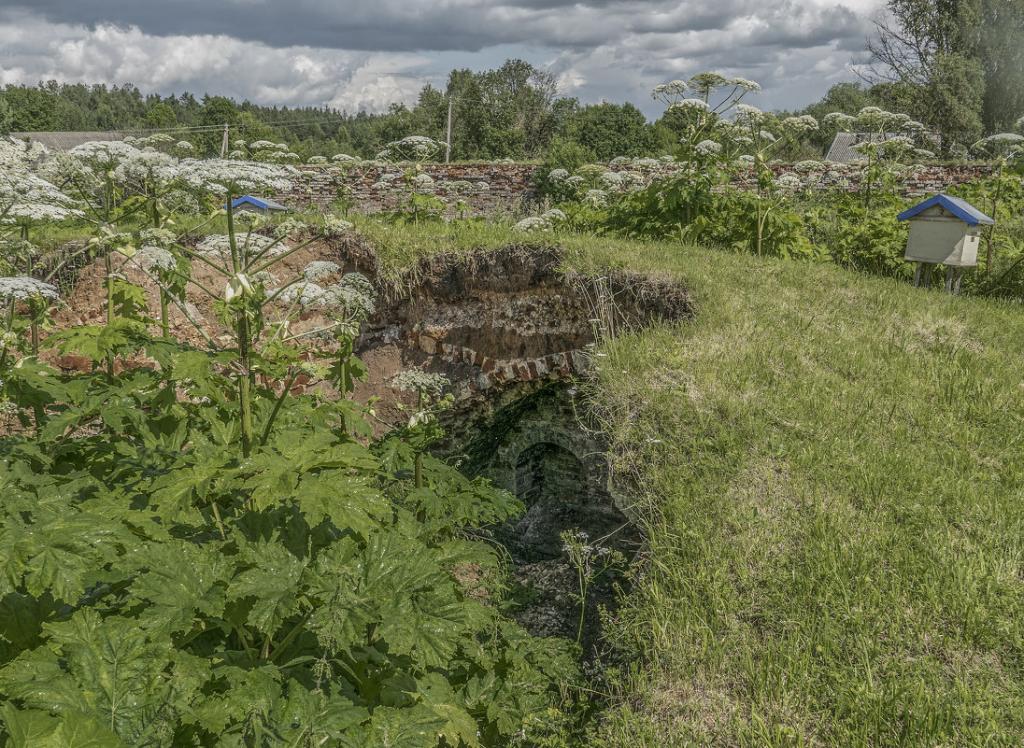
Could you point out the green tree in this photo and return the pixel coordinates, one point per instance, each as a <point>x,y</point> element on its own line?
<point>6,117</point>
<point>161,115</point>
<point>963,60</point>
<point>217,110</point>
<point>609,130</point>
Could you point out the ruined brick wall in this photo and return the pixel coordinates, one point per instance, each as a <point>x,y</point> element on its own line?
<point>485,188</point>
<point>507,189</point>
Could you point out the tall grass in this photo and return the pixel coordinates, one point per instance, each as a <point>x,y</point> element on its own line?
<point>829,468</point>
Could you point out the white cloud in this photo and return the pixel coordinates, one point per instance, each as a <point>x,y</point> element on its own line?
<point>208,63</point>
<point>317,52</point>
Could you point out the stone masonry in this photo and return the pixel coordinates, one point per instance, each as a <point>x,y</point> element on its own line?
<point>508,189</point>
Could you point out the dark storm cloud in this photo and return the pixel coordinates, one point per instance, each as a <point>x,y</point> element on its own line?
<point>413,25</point>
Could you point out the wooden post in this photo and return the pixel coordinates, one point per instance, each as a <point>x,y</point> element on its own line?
<point>448,135</point>
<point>224,142</point>
<point>917,274</point>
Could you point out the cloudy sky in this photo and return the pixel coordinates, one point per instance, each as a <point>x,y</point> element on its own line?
<point>365,54</point>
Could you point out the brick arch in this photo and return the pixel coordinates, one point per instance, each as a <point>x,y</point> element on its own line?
<point>546,470</point>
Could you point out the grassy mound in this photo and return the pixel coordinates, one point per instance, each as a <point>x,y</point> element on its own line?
<point>831,472</point>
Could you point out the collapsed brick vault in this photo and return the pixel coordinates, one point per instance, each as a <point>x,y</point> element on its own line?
<point>512,330</point>
<point>516,334</point>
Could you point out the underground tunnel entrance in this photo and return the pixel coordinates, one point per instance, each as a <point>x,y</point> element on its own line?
<point>536,442</point>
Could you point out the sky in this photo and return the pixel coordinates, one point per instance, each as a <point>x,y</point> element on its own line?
<point>367,54</point>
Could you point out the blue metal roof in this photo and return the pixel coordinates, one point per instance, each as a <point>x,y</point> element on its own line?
<point>260,203</point>
<point>958,207</point>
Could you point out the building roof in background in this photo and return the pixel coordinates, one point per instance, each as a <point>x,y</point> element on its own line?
<point>841,151</point>
<point>955,205</point>
<point>65,141</point>
<point>260,203</point>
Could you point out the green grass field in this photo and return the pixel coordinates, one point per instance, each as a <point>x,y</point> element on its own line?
<point>830,470</point>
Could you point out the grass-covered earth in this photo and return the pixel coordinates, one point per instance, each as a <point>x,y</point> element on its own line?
<point>828,471</point>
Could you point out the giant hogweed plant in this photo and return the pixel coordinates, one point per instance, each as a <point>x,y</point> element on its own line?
<point>889,140</point>
<point>720,136</point>
<point>190,554</point>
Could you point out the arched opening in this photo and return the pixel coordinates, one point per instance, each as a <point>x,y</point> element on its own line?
<point>547,471</point>
<point>551,481</point>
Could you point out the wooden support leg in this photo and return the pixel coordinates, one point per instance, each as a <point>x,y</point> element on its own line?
<point>917,274</point>
<point>928,275</point>
<point>949,280</point>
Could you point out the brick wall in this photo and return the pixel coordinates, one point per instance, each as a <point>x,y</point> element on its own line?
<point>505,188</point>
<point>486,188</point>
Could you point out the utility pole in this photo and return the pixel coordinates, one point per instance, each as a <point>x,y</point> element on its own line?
<point>224,142</point>
<point>448,136</point>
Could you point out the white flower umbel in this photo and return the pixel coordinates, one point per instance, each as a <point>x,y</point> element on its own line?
<point>352,297</point>
<point>20,154</point>
<point>839,120</point>
<point>421,382</point>
<point>221,176</point>
<point>316,160</point>
<point>27,197</point>
<point>595,199</point>
<point>290,227</point>
<point>411,148</point>
<point>320,269</point>
<point>748,115</point>
<point>612,179</point>
<point>157,237</point>
<point>556,176</point>
<point>708,148</point>
<point>799,125</point>
<point>334,226</point>
<point>788,182</point>
<point>554,216</point>
<point>155,259</point>
<point>698,105</point>
<point>104,154</point>
<point>668,91</point>
<point>219,245</point>
<point>304,294</point>
<point>344,158</point>
<point>745,84</point>
<point>21,287</point>
<point>532,224</point>
<point>808,165</point>
<point>146,167</point>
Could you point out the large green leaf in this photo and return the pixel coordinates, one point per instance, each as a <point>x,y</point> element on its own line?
<point>349,502</point>
<point>273,583</point>
<point>108,668</point>
<point>38,729</point>
<point>180,580</point>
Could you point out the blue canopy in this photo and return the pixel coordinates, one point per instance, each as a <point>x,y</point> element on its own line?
<point>959,208</point>
<point>260,203</point>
